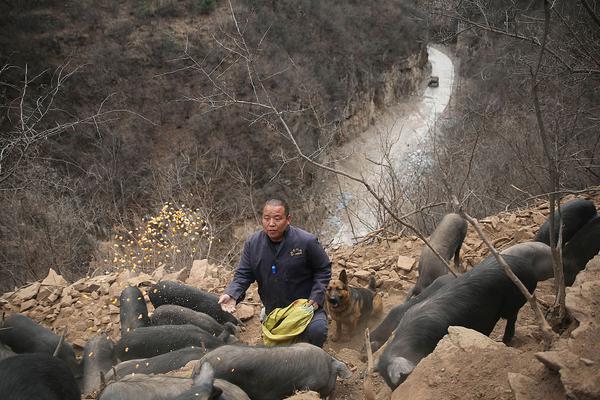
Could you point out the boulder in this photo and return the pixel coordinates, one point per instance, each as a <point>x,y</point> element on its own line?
<point>463,355</point>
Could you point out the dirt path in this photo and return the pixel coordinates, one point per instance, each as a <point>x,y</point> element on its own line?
<point>400,134</point>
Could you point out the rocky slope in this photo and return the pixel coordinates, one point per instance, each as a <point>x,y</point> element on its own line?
<point>465,363</point>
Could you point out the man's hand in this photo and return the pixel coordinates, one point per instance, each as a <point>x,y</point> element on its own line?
<point>227,303</point>
<point>314,304</point>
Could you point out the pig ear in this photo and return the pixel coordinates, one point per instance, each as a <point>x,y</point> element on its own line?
<point>344,277</point>
<point>206,375</point>
<point>341,369</point>
<point>399,369</point>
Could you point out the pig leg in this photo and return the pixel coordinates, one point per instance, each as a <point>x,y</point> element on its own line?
<point>509,331</point>
<point>457,259</point>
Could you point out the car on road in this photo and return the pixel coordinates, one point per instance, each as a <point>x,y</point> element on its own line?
<point>434,81</point>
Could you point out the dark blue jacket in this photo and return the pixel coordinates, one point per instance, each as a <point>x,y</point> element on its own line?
<point>299,269</point>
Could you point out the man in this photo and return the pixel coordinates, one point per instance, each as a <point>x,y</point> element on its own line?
<point>288,264</point>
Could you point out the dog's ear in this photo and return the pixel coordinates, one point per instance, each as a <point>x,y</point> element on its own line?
<point>344,277</point>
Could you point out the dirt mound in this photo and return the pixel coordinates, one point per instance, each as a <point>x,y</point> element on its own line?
<point>90,306</point>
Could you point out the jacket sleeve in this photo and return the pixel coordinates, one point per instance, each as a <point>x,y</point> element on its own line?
<point>243,277</point>
<point>321,266</point>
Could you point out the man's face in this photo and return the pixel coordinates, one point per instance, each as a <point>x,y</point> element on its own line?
<point>275,222</point>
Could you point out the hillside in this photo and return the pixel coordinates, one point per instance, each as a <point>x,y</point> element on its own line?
<point>149,126</point>
<point>486,370</point>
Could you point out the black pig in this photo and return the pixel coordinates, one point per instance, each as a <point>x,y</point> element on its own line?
<point>446,240</point>
<point>276,372</point>
<point>37,376</point>
<point>475,300</point>
<point>170,292</point>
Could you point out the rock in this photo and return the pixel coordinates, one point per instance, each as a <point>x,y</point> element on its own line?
<point>462,355</point>
<point>46,292</point>
<point>199,271</point>
<point>209,284</point>
<point>26,305</point>
<point>522,386</point>
<point>538,218</point>
<point>142,279</point>
<point>84,286</point>
<point>341,262</point>
<point>27,293</point>
<point>579,378</point>
<point>159,273</point>
<point>362,275</point>
<point>376,266</point>
<point>54,279</point>
<point>394,276</point>
<point>244,312</point>
<point>53,297</point>
<point>405,263</point>
<point>310,395</point>
<point>174,276</point>
<point>556,360</point>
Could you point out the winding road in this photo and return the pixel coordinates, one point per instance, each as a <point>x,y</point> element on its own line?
<point>399,135</point>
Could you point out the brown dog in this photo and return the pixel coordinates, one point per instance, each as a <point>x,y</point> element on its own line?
<point>348,305</point>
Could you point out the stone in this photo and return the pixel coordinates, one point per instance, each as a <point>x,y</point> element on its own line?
<point>522,386</point>
<point>310,395</point>
<point>244,312</point>
<point>158,273</point>
<point>209,284</point>
<point>448,360</point>
<point>538,218</point>
<point>142,279</point>
<point>84,286</point>
<point>54,279</point>
<point>405,263</point>
<point>362,274</point>
<point>579,378</point>
<point>199,271</point>
<point>53,297</point>
<point>27,293</point>
<point>26,305</point>
<point>394,276</point>
<point>46,291</point>
<point>174,276</point>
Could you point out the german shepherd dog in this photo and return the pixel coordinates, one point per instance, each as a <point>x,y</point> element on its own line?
<point>348,305</point>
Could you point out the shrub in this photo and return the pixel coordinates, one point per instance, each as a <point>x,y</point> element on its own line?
<point>174,237</point>
<point>206,6</point>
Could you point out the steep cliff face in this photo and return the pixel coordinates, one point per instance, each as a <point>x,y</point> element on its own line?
<point>393,85</point>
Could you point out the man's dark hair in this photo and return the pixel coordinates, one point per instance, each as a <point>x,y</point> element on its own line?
<point>279,203</point>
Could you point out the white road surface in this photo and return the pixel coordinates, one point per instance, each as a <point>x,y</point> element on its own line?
<point>401,133</point>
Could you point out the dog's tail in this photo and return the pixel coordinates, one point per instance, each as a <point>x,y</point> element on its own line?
<point>372,283</point>
<point>377,302</point>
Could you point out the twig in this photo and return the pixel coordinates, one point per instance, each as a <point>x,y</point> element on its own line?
<point>368,387</point>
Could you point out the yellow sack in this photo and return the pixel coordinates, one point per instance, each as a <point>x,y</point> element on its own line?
<point>283,325</point>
